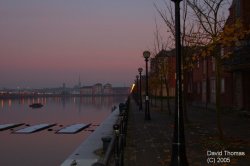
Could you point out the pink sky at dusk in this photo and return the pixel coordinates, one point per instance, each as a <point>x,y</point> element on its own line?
<point>51,42</point>
<point>45,43</point>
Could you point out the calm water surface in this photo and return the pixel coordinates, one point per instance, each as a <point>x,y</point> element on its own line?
<point>45,148</point>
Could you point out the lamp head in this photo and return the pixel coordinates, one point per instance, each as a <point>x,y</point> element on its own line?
<point>146,54</point>
<point>140,69</point>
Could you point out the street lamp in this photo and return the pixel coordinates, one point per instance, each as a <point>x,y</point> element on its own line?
<point>140,106</point>
<point>137,90</point>
<point>178,146</point>
<point>146,55</point>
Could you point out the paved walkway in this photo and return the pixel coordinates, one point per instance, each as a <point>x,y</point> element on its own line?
<point>149,143</point>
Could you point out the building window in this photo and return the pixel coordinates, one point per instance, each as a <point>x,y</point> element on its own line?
<point>212,89</point>
<point>198,88</point>
<point>238,5</point>
<point>222,85</point>
<point>190,87</point>
<point>222,51</point>
<point>204,66</point>
<point>204,90</point>
<point>213,64</point>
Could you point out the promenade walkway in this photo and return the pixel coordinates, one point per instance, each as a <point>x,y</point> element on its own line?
<point>149,143</point>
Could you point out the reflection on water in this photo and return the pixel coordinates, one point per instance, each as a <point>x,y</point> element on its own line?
<point>95,100</point>
<point>46,147</point>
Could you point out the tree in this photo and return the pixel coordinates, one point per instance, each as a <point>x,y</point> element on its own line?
<point>188,38</point>
<point>154,84</point>
<point>165,73</point>
<point>161,71</point>
<point>216,35</point>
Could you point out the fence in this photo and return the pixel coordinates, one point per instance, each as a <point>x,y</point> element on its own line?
<point>113,147</point>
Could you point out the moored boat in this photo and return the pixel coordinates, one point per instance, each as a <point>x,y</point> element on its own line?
<point>36,105</point>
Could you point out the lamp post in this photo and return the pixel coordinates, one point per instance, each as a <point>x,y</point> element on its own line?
<point>178,146</point>
<point>140,106</point>
<point>146,55</point>
<point>137,88</point>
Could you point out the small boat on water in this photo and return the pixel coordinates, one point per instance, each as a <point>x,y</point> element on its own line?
<point>36,105</point>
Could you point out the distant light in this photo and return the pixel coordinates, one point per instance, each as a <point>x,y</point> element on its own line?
<point>132,88</point>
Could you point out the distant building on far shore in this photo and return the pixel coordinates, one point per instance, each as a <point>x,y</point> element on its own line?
<point>121,90</point>
<point>93,90</point>
<point>103,90</point>
<point>86,90</point>
<point>97,89</point>
<point>107,89</point>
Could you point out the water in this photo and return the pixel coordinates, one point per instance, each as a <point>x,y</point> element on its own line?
<point>45,147</point>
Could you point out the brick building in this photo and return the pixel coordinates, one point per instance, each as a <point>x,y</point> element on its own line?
<point>239,65</point>
<point>164,59</point>
<point>235,78</point>
<point>201,86</point>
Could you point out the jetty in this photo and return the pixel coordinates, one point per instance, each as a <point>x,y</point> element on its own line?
<point>86,154</point>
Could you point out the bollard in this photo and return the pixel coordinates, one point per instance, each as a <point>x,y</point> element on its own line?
<point>105,143</point>
<point>74,163</point>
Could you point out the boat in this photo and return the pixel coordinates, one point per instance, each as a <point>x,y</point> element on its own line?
<point>36,105</point>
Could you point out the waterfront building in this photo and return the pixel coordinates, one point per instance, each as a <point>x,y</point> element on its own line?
<point>235,74</point>
<point>121,90</point>
<point>200,81</point>
<point>97,89</point>
<point>239,65</point>
<point>107,89</point>
<point>86,90</point>
<point>162,68</point>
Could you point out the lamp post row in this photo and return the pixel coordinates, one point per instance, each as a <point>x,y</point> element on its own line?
<point>146,55</point>
<point>178,157</point>
<point>137,87</point>
<point>140,104</point>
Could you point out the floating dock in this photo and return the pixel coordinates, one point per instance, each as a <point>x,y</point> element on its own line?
<point>85,154</point>
<point>72,129</point>
<point>9,126</point>
<point>34,128</point>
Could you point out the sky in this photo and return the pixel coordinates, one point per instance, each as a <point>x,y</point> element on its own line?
<point>45,43</point>
<point>50,42</point>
